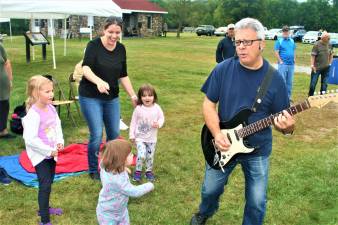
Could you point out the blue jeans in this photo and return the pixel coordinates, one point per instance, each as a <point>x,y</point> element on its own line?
<point>314,79</point>
<point>287,72</point>
<point>256,179</point>
<point>96,113</point>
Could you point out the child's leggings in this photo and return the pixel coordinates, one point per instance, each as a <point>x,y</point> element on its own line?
<point>45,171</point>
<point>145,153</point>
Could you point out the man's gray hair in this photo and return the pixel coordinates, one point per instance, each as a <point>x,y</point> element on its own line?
<point>250,23</point>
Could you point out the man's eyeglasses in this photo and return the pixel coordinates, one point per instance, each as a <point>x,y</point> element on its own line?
<point>245,42</point>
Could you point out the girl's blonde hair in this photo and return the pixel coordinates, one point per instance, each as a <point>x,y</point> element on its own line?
<point>146,88</point>
<point>114,155</point>
<point>33,86</point>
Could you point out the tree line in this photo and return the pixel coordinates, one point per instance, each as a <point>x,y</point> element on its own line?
<point>313,14</point>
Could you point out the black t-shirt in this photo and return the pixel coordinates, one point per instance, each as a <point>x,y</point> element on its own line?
<point>110,66</point>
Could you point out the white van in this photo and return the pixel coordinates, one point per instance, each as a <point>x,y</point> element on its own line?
<point>311,37</point>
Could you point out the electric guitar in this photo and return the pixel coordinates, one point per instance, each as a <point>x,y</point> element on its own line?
<point>237,130</point>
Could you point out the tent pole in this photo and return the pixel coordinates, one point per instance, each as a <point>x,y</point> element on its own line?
<point>32,26</point>
<point>10,30</point>
<point>53,47</point>
<point>65,39</point>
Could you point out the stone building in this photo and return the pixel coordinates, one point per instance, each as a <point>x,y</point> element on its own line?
<point>140,18</point>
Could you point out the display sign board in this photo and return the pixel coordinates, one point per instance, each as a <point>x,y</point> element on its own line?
<point>36,38</point>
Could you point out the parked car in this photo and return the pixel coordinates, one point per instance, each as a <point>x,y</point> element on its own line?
<point>221,31</point>
<point>189,29</point>
<point>311,37</point>
<point>272,34</point>
<point>205,30</point>
<point>298,35</point>
<point>296,28</point>
<point>334,39</point>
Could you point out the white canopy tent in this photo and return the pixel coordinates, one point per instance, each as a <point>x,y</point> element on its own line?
<point>57,9</point>
<point>7,20</point>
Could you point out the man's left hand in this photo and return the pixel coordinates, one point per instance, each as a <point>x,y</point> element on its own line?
<point>284,122</point>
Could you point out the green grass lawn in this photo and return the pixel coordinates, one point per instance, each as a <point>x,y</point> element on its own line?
<point>303,184</point>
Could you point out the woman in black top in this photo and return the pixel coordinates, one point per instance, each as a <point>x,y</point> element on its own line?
<point>104,66</point>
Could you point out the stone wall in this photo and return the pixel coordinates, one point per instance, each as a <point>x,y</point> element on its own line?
<point>156,20</point>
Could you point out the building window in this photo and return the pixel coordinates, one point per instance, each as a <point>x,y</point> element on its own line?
<point>37,23</point>
<point>149,23</point>
<point>59,24</point>
<point>68,23</point>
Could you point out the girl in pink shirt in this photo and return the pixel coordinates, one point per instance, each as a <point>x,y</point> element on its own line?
<point>43,139</point>
<point>146,120</point>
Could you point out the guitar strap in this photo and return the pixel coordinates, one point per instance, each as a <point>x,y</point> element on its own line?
<point>261,91</point>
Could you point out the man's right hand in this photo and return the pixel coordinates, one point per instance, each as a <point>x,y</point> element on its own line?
<point>313,68</point>
<point>222,142</point>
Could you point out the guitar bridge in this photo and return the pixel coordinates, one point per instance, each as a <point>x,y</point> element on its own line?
<point>216,157</point>
<point>214,144</point>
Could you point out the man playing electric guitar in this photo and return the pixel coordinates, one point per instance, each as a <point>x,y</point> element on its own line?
<point>233,85</point>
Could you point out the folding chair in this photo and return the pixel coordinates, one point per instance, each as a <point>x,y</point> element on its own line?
<point>73,94</point>
<point>61,99</point>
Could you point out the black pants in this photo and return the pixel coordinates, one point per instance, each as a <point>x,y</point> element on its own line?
<point>46,172</point>
<point>4,110</point>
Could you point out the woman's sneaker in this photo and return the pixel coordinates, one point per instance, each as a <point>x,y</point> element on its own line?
<point>150,176</point>
<point>137,176</point>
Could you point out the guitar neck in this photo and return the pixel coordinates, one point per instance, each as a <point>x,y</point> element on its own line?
<point>268,121</point>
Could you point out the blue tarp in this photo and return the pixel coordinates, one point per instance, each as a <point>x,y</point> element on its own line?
<point>16,171</point>
<point>333,74</point>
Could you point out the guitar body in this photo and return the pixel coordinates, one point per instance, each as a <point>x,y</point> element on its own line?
<point>218,159</point>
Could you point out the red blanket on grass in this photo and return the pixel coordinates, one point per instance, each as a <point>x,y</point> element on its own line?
<point>73,158</point>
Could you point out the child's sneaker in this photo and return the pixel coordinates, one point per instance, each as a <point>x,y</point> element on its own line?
<point>137,176</point>
<point>46,223</point>
<point>150,176</point>
<point>54,211</point>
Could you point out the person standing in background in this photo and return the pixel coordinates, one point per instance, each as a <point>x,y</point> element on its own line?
<point>6,78</point>
<point>321,58</point>
<point>285,49</point>
<point>165,29</point>
<point>226,48</point>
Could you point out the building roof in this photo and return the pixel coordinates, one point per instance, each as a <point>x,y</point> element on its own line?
<point>129,6</point>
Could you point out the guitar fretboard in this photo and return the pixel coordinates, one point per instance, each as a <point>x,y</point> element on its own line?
<point>268,121</point>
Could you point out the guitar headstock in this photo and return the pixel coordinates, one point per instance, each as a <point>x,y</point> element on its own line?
<point>321,100</point>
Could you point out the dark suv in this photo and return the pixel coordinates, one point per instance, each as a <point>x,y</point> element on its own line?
<point>298,35</point>
<point>205,30</point>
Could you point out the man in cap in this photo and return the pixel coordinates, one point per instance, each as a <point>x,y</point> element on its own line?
<point>285,53</point>
<point>226,48</point>
<point>321,58</point>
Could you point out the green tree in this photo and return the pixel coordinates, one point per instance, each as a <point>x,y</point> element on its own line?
<point>179,11</point>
